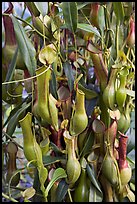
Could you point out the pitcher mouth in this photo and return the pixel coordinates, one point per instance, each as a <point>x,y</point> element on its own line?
<point>20,121</point>
<point>80,91</point>
<point>38,71</point>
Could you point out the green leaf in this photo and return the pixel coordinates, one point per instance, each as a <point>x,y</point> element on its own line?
<point>58,174</point>
<point>61,190</point>
<point>9,184</point>
<point>80,5</point>
<point>89,94</point>
<point>42,7</point>
<point>119,11</point>
<point>43,174</point>
<point>101,18</point>
<point>70,14</point>
<point>36,185</point>
<point>12,66</point>
<point>95,195</point>
<point>88,28</point>
<point>69,74</point>
<point>53,85</point>
<point>47,160</point>
<point>15,118</point>
<point>56,149</point>
<point>88,145</point>
<point>92,178</point>
<point>12,113</point>
<point>32,8</point>
<point>26,48</point>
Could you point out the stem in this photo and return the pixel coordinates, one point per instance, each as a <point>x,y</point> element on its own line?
<point>23,12</point>
<point>9,198</point>
<point>128,52</point>
<point>29,25</point>
<point>66,42</point>
<point>32,95</point>
<point>70,197</point>
<point>17,188</point>
<point>12,140</point>
<point>22,80</point>
<point>85,17</point>
<point>123,45</point>
<point>106,18</point>
<point>133,54</point>
<point>43,32</point>
<point>76,54</point>
<point>117,39</point>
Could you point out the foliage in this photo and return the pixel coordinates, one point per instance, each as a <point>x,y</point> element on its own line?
<point>68,86</point>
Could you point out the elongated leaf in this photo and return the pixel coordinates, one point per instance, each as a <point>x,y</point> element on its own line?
<point>12,113</point>
<point>26,48</point>
<point>89,94</point>
<point>53,85</point>
<point>119,11</point>
<point>43,174</point>
<point>80,5</point>
<point>12,66</point>
<point>69,74</point>
<point>56,149</point>
<point>70,14</point>
<point>95,195</point>
<point>42,7</point>
<point>101,18</point>
<point>15,118</point>
<point>61,190</point>
<point>36,185</point>
<point>58,174</point>
<point>88,145</point>
<point>92,178</point>
<point>47,160</point>
<point>88,28</point>
<point>32,8</point>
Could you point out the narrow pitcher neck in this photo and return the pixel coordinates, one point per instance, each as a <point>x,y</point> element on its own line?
<point>71,149</point>
<point>26,123</point>
<point>113,75</point>
<point>12,162</point>
<point>80,101</point>
<point>43,84</point>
